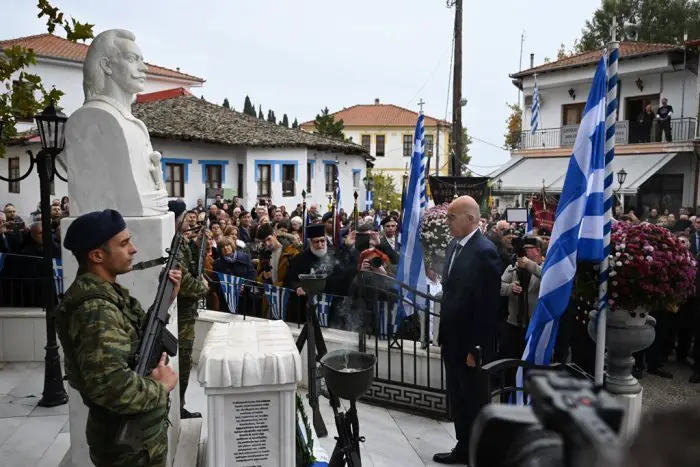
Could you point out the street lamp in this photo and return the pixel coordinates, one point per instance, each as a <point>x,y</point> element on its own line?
<point>51,124</point>
<point>621,177</point>
<point>499,184</point>
<point>369,183</point>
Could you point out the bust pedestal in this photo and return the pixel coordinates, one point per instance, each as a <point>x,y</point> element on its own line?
<point>151,235</point>
<point>249,371</point>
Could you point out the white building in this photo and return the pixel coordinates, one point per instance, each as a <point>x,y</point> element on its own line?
<point>208,146</point>
<point>386,131</point>
<point>59,63</point>
<point>660,173</point>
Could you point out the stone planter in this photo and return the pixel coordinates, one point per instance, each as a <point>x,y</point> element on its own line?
<point>627,333</point>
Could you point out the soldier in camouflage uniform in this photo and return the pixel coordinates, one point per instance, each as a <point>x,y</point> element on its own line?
<point>100,326</point>
<point>192,290</point>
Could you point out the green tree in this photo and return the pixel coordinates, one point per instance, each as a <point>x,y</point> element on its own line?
<point>658,21</point>
<point>295,124</point>
<point>326,125</point>
<point>285,121</point>
<point>385,189</point>
<point>465,158</point>
<point>226,103</point>
<point>271,116</point>
<point>26,94</point>
<point>260,114</point>
<point>249,108</point>
<point>514,125</point>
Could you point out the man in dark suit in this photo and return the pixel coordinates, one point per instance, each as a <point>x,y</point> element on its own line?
<point>471,282</point>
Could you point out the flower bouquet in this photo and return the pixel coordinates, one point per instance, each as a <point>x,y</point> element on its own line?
<point>650,268</point>
<point>435,235</point>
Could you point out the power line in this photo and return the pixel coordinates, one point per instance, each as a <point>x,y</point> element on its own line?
<point>487,143</point>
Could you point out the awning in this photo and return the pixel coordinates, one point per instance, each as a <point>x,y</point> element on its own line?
<point>526,174</point>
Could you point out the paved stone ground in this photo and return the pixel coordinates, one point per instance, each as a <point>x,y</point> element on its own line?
<point>32,436</point>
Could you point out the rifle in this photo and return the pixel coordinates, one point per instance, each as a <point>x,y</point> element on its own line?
<point>156,338</point>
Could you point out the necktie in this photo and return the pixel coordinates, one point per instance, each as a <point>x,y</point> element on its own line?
<point>458,248</point>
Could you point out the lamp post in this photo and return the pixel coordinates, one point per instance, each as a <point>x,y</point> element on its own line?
<point>499,184</point>
<point>621,177</point>
<point>51,123</point>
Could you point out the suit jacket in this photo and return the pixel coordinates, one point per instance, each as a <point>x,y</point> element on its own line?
<point>470,298</point>
<point>694,250</point>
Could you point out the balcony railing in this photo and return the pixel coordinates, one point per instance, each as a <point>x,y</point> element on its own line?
<point>682,129</point>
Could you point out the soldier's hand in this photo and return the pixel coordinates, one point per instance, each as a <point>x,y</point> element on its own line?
<point>300,292</point>
<point>175,276</point>
<point>165,374</point>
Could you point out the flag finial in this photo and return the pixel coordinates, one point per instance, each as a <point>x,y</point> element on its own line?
<point>421,103</point>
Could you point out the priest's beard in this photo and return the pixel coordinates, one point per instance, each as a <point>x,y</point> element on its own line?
<point>320,253</point>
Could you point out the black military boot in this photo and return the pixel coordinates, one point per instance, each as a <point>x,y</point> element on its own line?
<point>185,414</point>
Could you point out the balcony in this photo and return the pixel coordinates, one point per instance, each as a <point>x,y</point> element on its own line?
<point>626,132</point>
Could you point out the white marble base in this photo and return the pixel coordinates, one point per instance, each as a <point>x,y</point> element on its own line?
<point>249,371</point>
<point>633,414</point>
<point>152,236</point>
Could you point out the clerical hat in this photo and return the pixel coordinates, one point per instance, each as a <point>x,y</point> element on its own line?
<point>93,229</point>
<point>315,230</point>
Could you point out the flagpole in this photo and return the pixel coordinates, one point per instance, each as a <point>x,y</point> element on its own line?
<point>610,120</point>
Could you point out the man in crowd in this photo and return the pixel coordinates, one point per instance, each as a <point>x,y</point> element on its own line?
<point>99,325</point>
<point>192,290</point>
<point>283,248</point>
<point>16,224</point>
<point>387,241</point>
<point>663,115</point>
<point>471,286</point>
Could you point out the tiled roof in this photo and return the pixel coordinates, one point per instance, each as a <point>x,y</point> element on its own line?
<point>50,46</point>
<point>191,118</point>
<point>380,115</point>
<point>627,50</point>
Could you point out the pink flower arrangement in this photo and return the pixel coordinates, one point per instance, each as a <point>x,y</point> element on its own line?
<point>435,234</point>
<point>649,268</point>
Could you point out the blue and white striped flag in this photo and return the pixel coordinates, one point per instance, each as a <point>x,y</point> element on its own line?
<point>578,229</point>
<point>322,304</point>
<point>231,288</point>
<point>277,298</point>
<point>386,316</point>
<point>411,269</point>
<point>530,226</point>
<point>535,120</point>
<point>58,275</point>
<point>369,200</point>
<point>337,193</point>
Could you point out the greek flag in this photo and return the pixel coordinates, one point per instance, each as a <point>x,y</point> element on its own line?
<point>338,204</point>
<point>322,303</point>
<point>277,300</point>
<point>578,229</point>
<point>231,288</point>
<point>411,269</point>
<point>530,227</point>
<point>535,120</point>
<point>58,275</point>
<point>368,200</point>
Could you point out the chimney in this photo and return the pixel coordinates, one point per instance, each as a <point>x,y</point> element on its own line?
<point>376,101</point>
<point>177,69</point>
<point>532,60</point>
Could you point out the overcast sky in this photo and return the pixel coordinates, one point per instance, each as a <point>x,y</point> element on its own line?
<point>296,57</point>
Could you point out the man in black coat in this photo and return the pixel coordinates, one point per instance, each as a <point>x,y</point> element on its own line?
<point>695,319</point>
<point>471,282</point>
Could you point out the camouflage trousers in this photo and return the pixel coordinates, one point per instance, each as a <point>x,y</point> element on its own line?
<point>155,456</point>
<point>186,314</point>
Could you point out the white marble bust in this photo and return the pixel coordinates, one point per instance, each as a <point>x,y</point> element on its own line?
<point>111,163</point>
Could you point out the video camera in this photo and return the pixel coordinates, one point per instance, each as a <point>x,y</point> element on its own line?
<point>265,258</point>
<point>571,423</point>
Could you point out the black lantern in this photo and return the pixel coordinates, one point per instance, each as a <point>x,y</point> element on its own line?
<point>640,84</point>
<point>369,183</point>
<point>572,93</point>
<point>51,124</point>
<point>621,177</point>
<point>499,184</point>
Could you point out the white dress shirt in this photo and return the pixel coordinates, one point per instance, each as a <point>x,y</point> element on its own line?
<point>463,241</point>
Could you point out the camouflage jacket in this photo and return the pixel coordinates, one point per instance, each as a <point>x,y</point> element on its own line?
<point>100,326</point>
<point>191,287</point>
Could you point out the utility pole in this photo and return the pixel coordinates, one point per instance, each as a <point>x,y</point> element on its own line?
<point>455,160</point>
<point>520,66</point>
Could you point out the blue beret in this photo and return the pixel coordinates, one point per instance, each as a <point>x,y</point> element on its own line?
<point>93,229</point>
<point>177,207</point>
<point>327,216</point>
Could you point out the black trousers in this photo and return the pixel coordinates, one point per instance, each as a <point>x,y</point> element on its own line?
<point>655,356</point>
<point>665,127</point>
<point>463,397</point>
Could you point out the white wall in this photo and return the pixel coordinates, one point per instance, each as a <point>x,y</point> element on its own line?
<point>28,197</point>
<point>656,73</point>
<point>683,164</point>
<point>394,161</point>
<point>68,77</point>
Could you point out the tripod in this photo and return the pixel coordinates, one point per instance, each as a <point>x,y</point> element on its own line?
<point>347,446</point>
<point>316,348</point>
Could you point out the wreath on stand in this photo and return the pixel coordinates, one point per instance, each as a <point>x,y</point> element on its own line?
<point>305,443</point>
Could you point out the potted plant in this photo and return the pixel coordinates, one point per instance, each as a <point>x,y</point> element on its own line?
<point>651,271</point>
<point>435,235</point>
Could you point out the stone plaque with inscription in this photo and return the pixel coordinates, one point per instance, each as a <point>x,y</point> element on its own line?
<point>249,371</point>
